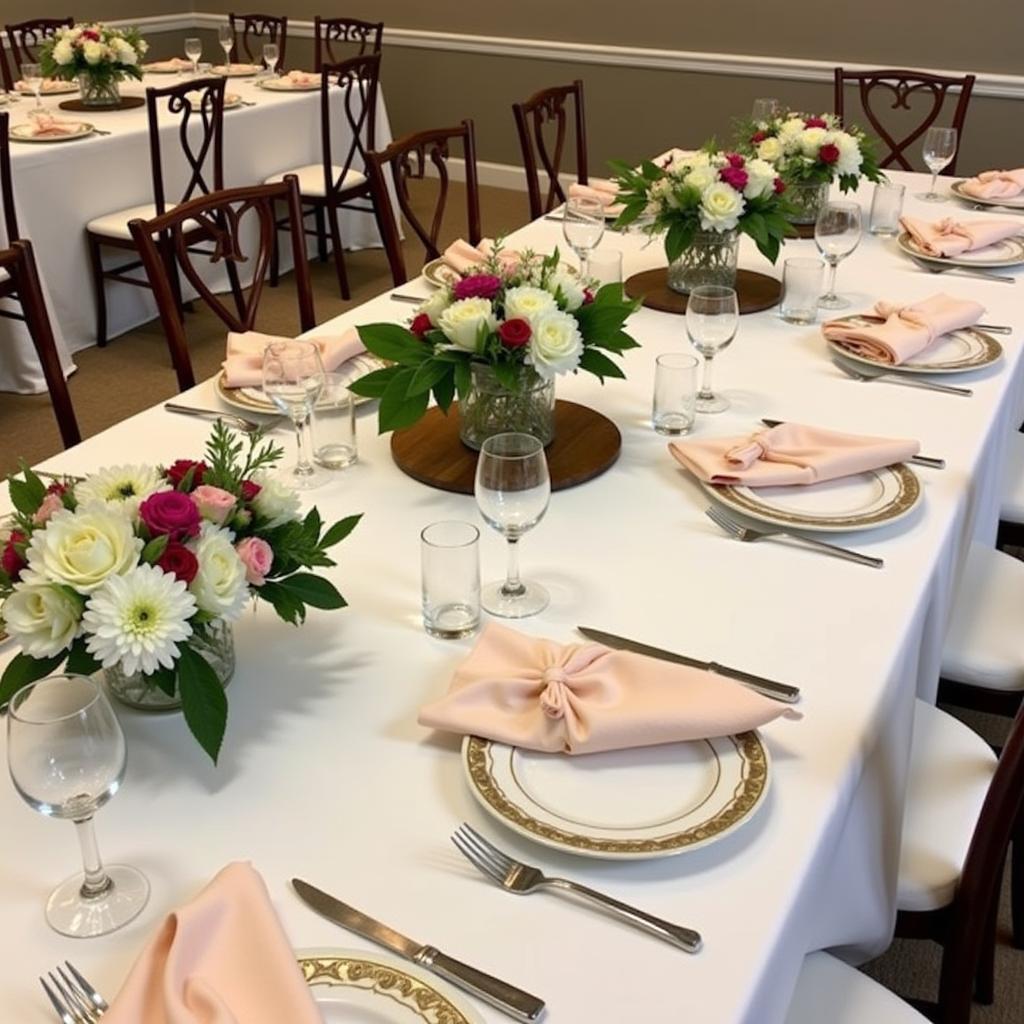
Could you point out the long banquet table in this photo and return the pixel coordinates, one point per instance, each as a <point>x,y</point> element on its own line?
<point>325,773</point>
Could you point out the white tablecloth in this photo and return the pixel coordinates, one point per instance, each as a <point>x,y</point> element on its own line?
<point>60,187</point>
<point>326,775</point>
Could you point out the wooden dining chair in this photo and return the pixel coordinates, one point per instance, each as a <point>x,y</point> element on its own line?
<point>902,87</point>
<point>407,160</point>
<point>18,265</point>
<point>226,218</point>
<point>192,103</point>
<point>348,131</point>
<point>23,39</point>
<point>352,36</point>
<point>8,289</point>
<point>534,121</point>
<point>257,29</point>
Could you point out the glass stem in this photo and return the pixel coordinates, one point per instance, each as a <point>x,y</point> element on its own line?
<point>303,467</point>
<point>831,291</point>
<point>513,585</point>
<point>935,177</point>
<point>705,381</point>
<point>97,882</point>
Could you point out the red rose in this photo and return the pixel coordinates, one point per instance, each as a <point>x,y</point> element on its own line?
<point>815,122</point>
<point>758,137</point>
<point>57,487</point>
<point>250,489</point>
<point>515,333</point>
<point>735,160</point>
<point>179,561</point>
<point>421,325</point>
<point>91,34</point>
<point>12,561</point>
<point>735,176</point>
<point>779,186</point>
<point>172,513</point>
<point>829,153</point>
<point>588,296</point>
<point>180,469</point>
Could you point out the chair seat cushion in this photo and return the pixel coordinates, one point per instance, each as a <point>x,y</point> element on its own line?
<point>951,768</point>
<point>985,643</point>
<point>115,225</point>
<point>311,179</point>
<point>830,990</point>
<point>1012,505</point>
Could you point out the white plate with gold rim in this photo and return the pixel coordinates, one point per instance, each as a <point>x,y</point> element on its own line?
<point>352,986</point>
<point>1007,253</point>
<point>1013,202</point>
<point>285,84</point>
<point>236,70</point>
<point>23,133</point>
<point>439,274</point>
<point>633,804</point>
<point>231,99</point>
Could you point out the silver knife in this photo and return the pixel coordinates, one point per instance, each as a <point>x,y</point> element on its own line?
<point>767,687</point>
<point>502,996</point>
<point>918,460</point>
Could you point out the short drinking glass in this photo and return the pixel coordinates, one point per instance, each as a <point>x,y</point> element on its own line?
<point>886,207</point>
<point>939,150</point>
<point>837,234</point>
<point>450,555</point>
<point>675,393</point>
<point>194,50</point>
<point>801,290</point>
<point>334,424</point>
<point>270,57</point>
<point>226,35</point>
<point>712,317</point>
<point>605,266</point>
<point>583,227</point>
<point>32,76</point>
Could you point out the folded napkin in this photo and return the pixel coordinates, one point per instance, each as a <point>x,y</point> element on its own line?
<point>950,237</point>
<point>788,454</point>
<point>174,64</point>
<point>671,156</point>
<point>47,124</point>
<point>907,330</point>
<point>463,257</point>
<point>221,959</point>
<point>604,191</point>
<point>243,365</point>
<point>585,698</point>
<point>995,184</point>
<point>49,85</point>
<point>301,78</point>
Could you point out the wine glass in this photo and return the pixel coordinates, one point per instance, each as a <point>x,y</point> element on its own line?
<point>293,378</point>
<point>226,35</point>
<point>764,110</point>
<point>712,317</point>
<point>194,50</point>
<point>512,492</point>
<point>939,150</point>
<point>32,76</point>
<point>66,754</point>
<point>270,56</point>
<point>837,234</point>
<point>583,227</point>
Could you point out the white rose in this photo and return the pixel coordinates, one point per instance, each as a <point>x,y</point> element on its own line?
<point>277,503</point>
<point>43,618</point>
<point>436,305</point>
<point>556,345</point>
<point>64,52</point>
<point>760,178</point>
<point>220,587</point>
<point>790,132</point>
<point>528,303</point>
<point>721,208</point>
<point>850,157</point>
<point>769,150</point>
<point>812,140</point>
<point>94,52</point>
<point>701,177</point>
<point>569,287</point>
<point>699,159</point>
<point>84,547</point>
<point>143,47</point>
<point>462,322</point>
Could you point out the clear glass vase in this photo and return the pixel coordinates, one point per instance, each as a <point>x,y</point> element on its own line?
<point>807,199</point>
<point>99,92</point>
<point>216,643</point>
<point>710,259</point>
<point>491,408</point>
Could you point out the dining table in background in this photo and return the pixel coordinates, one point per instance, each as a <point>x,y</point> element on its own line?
<point>326,775</point>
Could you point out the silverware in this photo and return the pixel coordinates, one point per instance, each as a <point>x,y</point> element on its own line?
<point>522,879</point>
<point>918,460</point>
<point>745,533</point>
<point>993,328</point>
<point>72,997</point>
<point>416,299</point>
<point>767,687</point>
<point>246,425</point>
<point>59,477</point>
<point>100,131</point>
<point>502,996</point>
<point>907,382</point>
<point>985,207</point>
<point>958,271</point>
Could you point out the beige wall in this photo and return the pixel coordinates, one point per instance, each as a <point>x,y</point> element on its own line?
<point>96,10</point>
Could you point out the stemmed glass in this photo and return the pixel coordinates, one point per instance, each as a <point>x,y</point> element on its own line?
<point>194,50</point>
<point>939,150</point>
<point>32,76</point>
<point>836,233</point>
<point>293,378</point>
<point>583,227</point>
<point>226,36</point>
<point>66,754</point>
<point>764,110</point>
<point>270,56</point>
<point>712,317</point>
<point>512,492</point>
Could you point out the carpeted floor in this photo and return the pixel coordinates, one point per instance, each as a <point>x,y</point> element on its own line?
<point>134,372</point>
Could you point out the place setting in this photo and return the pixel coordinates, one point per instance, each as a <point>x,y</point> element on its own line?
<point>974,247</point>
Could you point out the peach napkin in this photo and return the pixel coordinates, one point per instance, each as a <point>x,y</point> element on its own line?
<point>950,237</point>
<point>463,257</point>
<point>788,454</point>
<point>604,191</point>
<point>174,64</point>
<point>907,330</point>
<point>995,184</point>
<point>243,367</point>
<point>671,156</point>
<point>585,698</point>
<point>49,85</point>
<point>47,124</point>
<point>223,958</point>
<point>301,78</point>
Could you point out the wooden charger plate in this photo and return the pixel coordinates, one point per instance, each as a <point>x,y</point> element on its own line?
<point>586,444</point>
<point>755,291</point>
<point>125,103</point>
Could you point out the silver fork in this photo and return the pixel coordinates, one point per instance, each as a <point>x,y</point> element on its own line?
<point>907,382</point>
<point>522,879</point>
<point>958,271</point>
<point>75,1000</point>
<point>745,533</point>
<point>245,425</point>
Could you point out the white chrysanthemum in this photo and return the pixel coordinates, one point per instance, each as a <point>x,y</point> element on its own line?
<point>721,208</point>
<point>569,287</point>
<point>137,620</point>
<point>122,487</point>
<point>769,150</point>
<point>465,320</point>
<point>528,303</point>
<point>436,304</point>
<point>277,503</point>
<point>790,132</point>
<point>64,52</point>
<point>701,177</point>
<point>125,51</point>
<point>220,587</point>
<point>850,157</point>
<point>812,140</point>
<point>760,178</point>
<point>556,344</point>
<point>42,617</point>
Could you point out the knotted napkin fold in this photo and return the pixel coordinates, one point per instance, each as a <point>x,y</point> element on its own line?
<point>586,698</point>
<point>49,85</point>
<point>243,366</point>
<point>907,330</point>
<point>301,78</point>
<point>791,453</point>
<point>173,64</point>
<point>223,958</point>
<point>47,124</point>
<point>949,237</point>
<point>463,257</point>
<point>604,191</point>
<point>995,184</point>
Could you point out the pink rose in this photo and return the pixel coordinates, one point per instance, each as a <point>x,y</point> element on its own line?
<point>171,513</point>
<point>214,503</point>
<point>477,286</point>
<point>734,176</point>
<point>51,503</point>
<point>257,556</point>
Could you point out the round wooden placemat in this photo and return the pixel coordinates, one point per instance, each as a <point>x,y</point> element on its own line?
<point>125,103</point>
<point>804,230</point>
<point>755,291</point>
<point>585,445</point>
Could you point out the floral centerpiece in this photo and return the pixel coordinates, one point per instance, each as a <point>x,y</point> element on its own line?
<point>701,202</point>
<point>498,337</point>
<point>810,152</point>
<point>141,570</point>
<point>98,56</point>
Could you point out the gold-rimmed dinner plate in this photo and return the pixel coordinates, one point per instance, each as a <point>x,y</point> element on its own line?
<point>231,99</point>
<point>236,70</point>
<point>862,501</point>
<point>439,274</point>
<point>352,985</point>
<point>1007,253</point>
<point>165,68</point>
<point>957,352</point>
<point>1014,202</point>
<point>23,133</point>
<point>633,804</point>
<point>285,84</point>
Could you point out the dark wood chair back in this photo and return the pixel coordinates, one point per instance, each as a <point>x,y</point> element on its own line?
<point>258,29</point>
<point>241,223</point>
<point>20,263</point>
<point>542,115</point>
<point>358,78</point>
<point>407,159</point>
<point>10,216</point>
<point>902,87</point>
<point>23,40</point>
<point>352,36</point>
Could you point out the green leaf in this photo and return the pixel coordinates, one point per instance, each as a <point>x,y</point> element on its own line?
<point>398,408</point>
<point>23,496</point>
<point>507,375</point>
<point>23,670</point>
<point>444,392</point>
<point>313,590</point>
<point>80,662</point>
<point>620,341</point>
<point>430,371</point>
<point>599,364</point>
<point>755,226</point>
<point>676,240</point>
<point>154,549</point>
<point>339,531</point>
<point>373,385</point>
<point>286,604</point>
<point>394,342</point>
<point>202,700</point>
<point>463,378</point>
<point>166,679</point>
